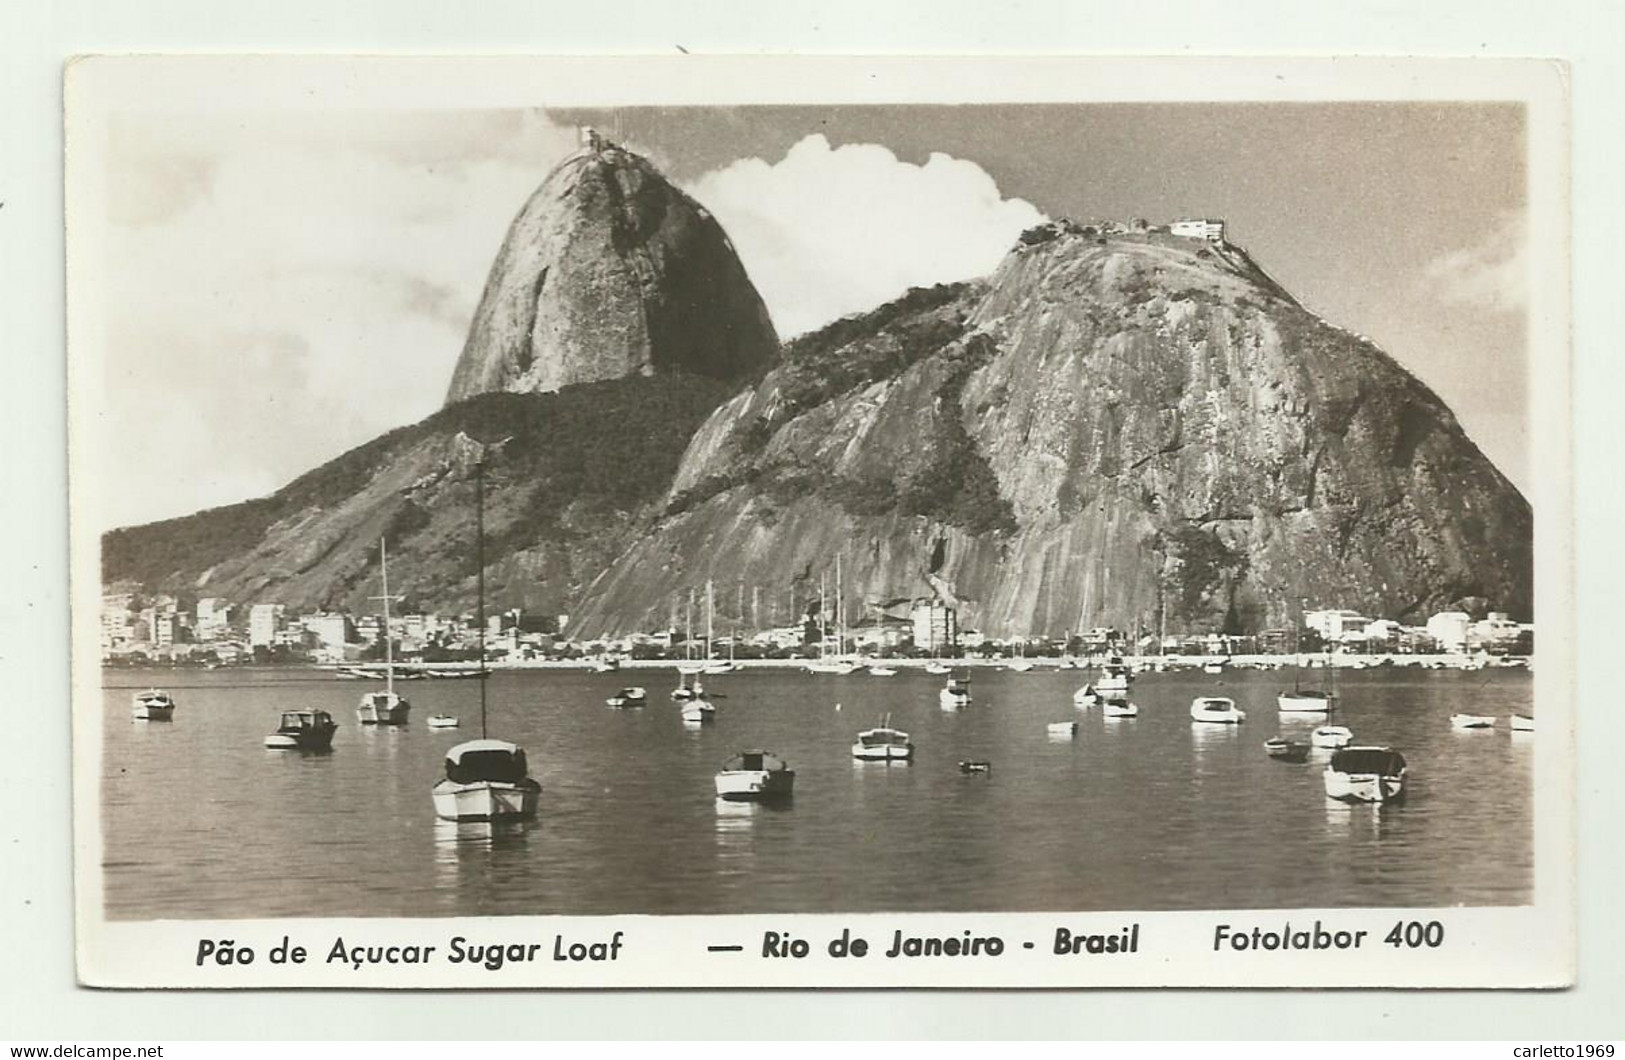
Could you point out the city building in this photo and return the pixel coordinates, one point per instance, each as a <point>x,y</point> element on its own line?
<point>936,626</point>
<point>1449,630</point>
<point>265,621</point>
<point>213,618</point>
<point>1336,625</point>
<point>332,631</point>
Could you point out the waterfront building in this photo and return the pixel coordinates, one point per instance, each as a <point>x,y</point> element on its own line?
<point>1449,630</point>
<point>213,618</point>
<point>935,624</point>
<point>265,621</point>
<point>1335,625</point>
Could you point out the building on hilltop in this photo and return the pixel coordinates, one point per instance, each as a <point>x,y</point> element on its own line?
<point>1199,228</point>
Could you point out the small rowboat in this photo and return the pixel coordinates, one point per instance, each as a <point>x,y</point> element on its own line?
<point>1284,750</point>
<point>1472,721</point>
<point>975,766</point>
<point>1332,737</point>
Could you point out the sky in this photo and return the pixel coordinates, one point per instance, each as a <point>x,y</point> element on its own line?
<point>285,288</point>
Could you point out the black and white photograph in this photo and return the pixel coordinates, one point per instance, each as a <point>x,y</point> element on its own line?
<point>708,526</point>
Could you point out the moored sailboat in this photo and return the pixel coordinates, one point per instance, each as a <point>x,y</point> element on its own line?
<point>1302,700</point>
<point>386,707</point>
<point>883,744</point>
<point>486,779</point>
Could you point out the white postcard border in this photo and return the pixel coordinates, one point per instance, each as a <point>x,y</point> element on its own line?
<point>1525,947</point>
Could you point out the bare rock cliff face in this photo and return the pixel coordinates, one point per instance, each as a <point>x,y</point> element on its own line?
<point>609,271</point>
<point>1115,429</point>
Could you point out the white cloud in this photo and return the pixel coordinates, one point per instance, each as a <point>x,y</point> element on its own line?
<point>1491,274</point>
<point>826,232</point>
<point>296,285</point>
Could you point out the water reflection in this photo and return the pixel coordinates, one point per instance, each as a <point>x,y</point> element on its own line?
<point>382,741</point>
<point>630,822</point>
<point>464,850</point>
<point>1206,738</point>
<point>1355,820</point>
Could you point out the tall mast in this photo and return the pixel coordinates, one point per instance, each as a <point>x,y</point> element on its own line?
<point>710,610</point>
<point>389,641</point>
<point>840,612</point>
<point>823,616</point>
<point>479,554</point>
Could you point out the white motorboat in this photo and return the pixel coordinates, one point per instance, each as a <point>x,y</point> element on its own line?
<point>955,694</point>
<point>1213,668</point>
<point>938,668</point>
<point>688,687</point>
<point>628,697</point>
<point>1472,721</point>
<point>303,730</point>
<point>883,744</point>
<point>1019,666</point>
<point>1522,723</point>
<point>443,721</point>
<point>1115,676</point>
<point>697,710</point>
<point>1331,737</point>
<point>486,780</point>
<point>1118,708</point>
<point>1366,774</point>
<point>758,775</point>
<point>1217,710</point>
<point>153,705</point>
<point>882,671</point>
<point>605,665</point>
<point>386,707</point>
<point>1085,697</point>
<point>1062,728</point>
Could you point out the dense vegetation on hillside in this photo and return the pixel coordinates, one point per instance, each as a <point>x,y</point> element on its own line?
<point>615,443</point>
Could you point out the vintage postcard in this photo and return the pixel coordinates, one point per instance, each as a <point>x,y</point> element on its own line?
<point>782,522</point>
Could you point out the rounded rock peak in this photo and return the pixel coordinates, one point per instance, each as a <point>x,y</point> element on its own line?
<point>610,271</point>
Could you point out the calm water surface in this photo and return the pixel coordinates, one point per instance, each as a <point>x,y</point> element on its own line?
<point>1146,814</point>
